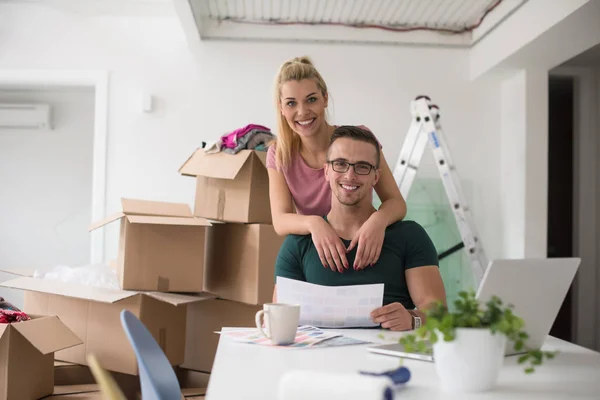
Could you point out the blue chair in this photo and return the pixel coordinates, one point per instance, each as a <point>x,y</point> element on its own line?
<point>157,377</point>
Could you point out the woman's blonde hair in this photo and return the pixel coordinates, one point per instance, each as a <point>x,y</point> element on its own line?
<point>296,69</point>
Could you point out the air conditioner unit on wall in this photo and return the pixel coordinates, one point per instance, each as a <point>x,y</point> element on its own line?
<point>25,116</point>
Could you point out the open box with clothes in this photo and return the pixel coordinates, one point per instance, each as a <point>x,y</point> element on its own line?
<point>249,137</point>
<point>232,184</point>
<point>27,346</point>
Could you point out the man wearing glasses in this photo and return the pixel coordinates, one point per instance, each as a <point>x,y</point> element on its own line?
<point>407,265</point>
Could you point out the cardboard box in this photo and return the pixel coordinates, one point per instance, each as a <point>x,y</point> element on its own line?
<point>27,356</point>
<point>96,395</point>
<point>72,392</point>
<point>186,393</point>
<point>203,320</point>
<point>78,396</point>
<point>240,262</point>
<point>192,379</point>
<point>69,375</point>
<point>71,379</point>
<point>194,394</point>
<point>233,188</point>
<point>93,314</point>
<point>193,383</point>
<point>161,246</point>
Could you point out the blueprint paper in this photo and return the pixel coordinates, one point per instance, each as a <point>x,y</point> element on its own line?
<point>331,306</point>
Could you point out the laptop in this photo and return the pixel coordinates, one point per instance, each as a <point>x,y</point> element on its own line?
<point>515,282</point>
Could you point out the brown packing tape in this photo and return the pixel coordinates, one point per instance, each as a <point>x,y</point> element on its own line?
<point>221,204</point>
<point>162,284</point>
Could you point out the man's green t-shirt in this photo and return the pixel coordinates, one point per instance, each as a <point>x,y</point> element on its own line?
<point>406,245</point>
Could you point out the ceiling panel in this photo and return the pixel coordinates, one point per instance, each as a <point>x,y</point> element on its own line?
<point>448,15</point>
<point>420,22</point>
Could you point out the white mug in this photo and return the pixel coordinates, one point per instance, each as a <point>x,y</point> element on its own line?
<point>281,322</point>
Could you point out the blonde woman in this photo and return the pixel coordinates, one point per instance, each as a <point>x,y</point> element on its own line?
<point>295,163</point>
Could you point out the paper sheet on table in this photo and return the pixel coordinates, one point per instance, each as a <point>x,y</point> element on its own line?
<point>306,337</point>
<point>331,306</point>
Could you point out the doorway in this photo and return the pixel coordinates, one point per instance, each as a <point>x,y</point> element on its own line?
<point>98,83</point>
<point>560,188</point>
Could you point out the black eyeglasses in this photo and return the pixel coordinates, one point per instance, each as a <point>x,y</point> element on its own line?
<point>360,168</point>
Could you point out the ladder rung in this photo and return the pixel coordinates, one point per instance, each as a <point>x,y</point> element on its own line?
<point>426,128</point>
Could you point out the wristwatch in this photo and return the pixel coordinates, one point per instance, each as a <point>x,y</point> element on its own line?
<point>416,320</point>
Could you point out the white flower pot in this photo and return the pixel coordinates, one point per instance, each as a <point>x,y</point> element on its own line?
<point>471,362</point>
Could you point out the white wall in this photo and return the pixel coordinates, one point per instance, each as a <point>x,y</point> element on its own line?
<point>537,38</point>
<point>513,162</point>
<point>230,86</point>
<point>45,175</point>
<point>536,172</point>
<point>597,122</point>
<point>524,163</point>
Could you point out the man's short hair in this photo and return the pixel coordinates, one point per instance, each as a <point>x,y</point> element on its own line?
<point>356,133</point>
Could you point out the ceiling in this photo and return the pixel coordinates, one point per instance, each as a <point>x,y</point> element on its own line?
<point>454,16</point>
<point>437,22</point>
<point>132,8</point>
<point>455,23</point>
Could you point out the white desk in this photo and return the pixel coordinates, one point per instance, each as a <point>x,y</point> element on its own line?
<point>244,371</point>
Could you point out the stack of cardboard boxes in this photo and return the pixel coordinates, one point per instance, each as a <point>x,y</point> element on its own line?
<point>184,274</point>
<point>232,191</point>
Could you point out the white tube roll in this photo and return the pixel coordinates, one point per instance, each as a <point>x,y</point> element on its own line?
<point>316,385</point>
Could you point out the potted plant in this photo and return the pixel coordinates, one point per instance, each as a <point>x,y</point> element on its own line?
<point>468,344</point>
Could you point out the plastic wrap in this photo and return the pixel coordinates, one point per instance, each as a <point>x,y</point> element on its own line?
<point>99,275</point>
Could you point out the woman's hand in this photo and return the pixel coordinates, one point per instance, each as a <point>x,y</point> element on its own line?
<point>329,245</point>
<point>370,240</point>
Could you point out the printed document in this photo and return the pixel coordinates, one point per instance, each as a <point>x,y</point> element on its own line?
<point>331,306</point>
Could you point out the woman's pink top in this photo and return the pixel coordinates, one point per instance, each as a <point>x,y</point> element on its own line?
<point>310,191</point>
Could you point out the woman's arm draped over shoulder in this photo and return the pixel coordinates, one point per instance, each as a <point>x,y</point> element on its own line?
<point>369,238</point>
<point>393,205</point>
<point>285,221</point>
<point>328,244</point>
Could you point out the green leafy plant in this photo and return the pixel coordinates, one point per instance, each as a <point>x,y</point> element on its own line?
<point>469,314</point>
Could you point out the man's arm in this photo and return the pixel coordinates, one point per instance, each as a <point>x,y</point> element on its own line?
<point>422,273</point>
<point>423,279</point>
<point>289,262</point>
<point>426,287</point>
